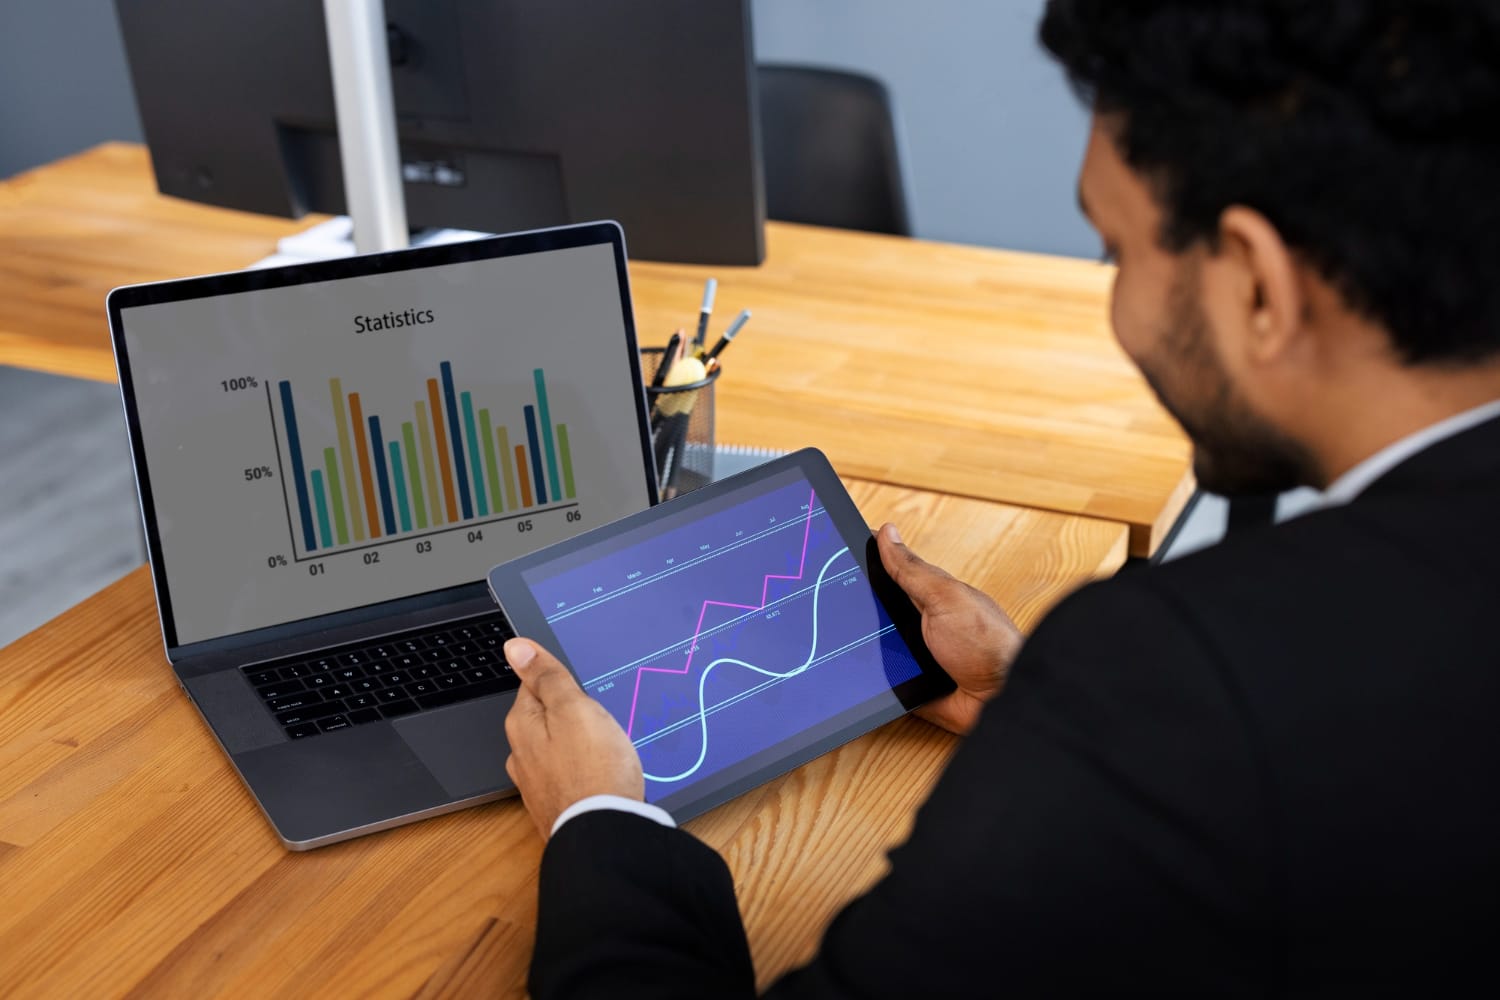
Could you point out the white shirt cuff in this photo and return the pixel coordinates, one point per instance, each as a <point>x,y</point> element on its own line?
<point>616,802</point>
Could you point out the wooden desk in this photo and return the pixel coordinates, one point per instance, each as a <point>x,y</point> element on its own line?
<point>134,861</point>
<point>969,371</point>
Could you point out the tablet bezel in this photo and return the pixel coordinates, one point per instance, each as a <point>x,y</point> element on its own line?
<point>519,605</point>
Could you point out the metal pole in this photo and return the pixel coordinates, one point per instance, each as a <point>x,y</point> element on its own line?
<point>359,54</point>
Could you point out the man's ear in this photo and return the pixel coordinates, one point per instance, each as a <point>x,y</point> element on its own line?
<point>1268,296</point>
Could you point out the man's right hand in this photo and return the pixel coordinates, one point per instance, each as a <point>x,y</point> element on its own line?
<point>969,635</point>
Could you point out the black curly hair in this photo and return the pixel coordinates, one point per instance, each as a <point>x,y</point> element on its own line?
<point>1366,131</point>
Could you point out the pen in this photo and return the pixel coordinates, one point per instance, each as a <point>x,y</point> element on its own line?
<point>704,311</point>
<point>674,411</point>
<point>668,359</point>
<point>734,329</point>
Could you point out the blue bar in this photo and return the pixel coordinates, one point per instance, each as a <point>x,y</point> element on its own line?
<point>484,508</point>
<point>294,445</point>
<point>536,456</point>
<point>322,501</point>
<point>399,475</point>
<point>456,437</point>
<point>378,447</point>
<point>546,417</point>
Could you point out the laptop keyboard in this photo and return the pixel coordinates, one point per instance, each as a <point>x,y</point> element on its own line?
<point>384,678</point>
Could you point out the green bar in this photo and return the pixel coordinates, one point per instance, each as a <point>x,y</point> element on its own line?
<point>336,494</point>
<point>505,465</point>
<point>321,502</point>
<point>488,437</point>
<point>544,417</point>
<point>474,465</point>
<point>408,434</point>
<point>567,458</point>
<point>400,482</point>
<point>429,467</point>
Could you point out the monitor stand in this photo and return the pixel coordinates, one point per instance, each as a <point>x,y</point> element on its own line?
<point>335,238</point>
<point>359,57</point>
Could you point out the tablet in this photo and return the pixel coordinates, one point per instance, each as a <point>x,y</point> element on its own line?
<point>735,633</point>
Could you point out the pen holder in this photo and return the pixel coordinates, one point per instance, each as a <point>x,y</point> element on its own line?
<point>682,428</point>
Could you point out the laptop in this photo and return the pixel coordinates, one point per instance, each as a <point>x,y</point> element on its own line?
<point>329,457</point>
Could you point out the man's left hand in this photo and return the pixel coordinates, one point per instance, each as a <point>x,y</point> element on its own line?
<point>564,746</point>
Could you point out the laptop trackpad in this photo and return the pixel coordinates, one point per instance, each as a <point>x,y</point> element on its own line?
<point>463,745</point>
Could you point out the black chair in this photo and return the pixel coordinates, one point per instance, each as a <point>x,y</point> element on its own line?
<point>828,141</point>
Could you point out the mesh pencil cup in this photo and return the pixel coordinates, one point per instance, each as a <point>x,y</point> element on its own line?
<point>682,428</point>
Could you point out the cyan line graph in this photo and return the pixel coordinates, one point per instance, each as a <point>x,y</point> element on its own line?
<point>812,654</point>
<point>765,586</point>
<point>615,614</point>
<point>775,679</point>
<point>724,626</point>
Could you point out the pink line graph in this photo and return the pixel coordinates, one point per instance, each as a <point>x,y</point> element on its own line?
<point>698,631</point>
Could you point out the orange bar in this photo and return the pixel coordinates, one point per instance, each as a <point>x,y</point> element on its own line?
<point>525,476</point>
<point>358,418</point>
<point>436,409</point>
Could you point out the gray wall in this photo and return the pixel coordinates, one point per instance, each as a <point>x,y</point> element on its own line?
<point>63,81</point>
<point>992,135</point>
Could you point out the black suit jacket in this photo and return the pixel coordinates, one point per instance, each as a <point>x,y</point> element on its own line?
<point>1267,769</point>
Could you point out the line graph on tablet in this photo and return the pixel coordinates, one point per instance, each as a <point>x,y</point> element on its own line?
<point>759,626</point>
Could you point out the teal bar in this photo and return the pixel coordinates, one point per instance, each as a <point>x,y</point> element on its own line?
<point>398,476</point>
<point>320,500</point>
<point>474,465</point>
<point>545,418</point>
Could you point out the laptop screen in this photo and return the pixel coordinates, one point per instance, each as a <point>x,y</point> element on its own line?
<point>313,448</point>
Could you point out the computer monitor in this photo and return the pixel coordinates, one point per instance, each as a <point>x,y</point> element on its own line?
<point>511,114</point>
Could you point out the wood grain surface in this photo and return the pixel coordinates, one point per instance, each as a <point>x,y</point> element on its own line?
<point>965,370</point>
<point>135,863</point>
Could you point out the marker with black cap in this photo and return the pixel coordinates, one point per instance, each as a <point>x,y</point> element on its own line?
<point>734,328</point>
<point>704,312</point>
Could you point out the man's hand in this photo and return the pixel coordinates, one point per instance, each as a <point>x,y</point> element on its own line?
<point>564,746</point>
<point>968,634</point>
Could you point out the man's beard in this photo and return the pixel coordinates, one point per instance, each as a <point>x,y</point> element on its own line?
<point>1235,451</point>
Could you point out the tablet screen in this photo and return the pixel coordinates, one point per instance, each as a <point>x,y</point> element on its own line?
<point>727,636</point>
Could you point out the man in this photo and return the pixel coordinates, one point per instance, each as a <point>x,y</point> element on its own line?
<point>1270,768</point>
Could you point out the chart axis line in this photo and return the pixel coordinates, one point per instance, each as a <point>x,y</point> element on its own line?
<point>672,570</point>
<point>405,537</point>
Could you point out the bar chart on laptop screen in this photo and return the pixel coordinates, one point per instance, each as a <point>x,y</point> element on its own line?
<point>445,463</point>
<point>319,447</point>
